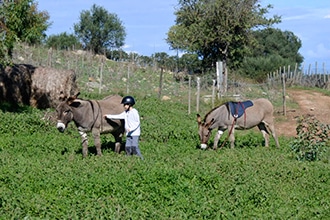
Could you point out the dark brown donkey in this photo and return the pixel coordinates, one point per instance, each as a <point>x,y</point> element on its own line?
<point>259,113</point>
<point>88,116</point>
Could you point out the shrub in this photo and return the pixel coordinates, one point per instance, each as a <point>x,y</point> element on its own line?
<point>312,141</point>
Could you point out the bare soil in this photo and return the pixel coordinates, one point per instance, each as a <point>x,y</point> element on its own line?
<point>310,102</point>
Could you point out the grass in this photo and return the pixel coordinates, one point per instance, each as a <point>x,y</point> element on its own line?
<point>43,175</point>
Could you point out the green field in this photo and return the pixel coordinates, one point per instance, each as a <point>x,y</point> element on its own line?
<point>43,174</point>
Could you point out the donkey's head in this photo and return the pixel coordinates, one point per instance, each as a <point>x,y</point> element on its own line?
<point>204,131</point>
<point>64,112</point>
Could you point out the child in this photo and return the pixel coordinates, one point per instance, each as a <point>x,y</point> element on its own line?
<point>132,126</point>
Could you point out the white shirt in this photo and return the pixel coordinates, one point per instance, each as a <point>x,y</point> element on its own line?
<point>132,121</point>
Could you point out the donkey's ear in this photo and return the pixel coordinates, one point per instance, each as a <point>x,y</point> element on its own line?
<point>71,99</point>
<point>77,94</point>
<point>62,97</point>
<point>199,120</point>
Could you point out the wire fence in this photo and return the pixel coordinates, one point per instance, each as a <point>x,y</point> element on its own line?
<point>96,74</point>
<point>311,77</point>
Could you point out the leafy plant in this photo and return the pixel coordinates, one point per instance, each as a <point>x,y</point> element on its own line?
<point>312,141</point>
<point>20,21</point>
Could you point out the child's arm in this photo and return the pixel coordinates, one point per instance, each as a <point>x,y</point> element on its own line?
<point>119,116</point>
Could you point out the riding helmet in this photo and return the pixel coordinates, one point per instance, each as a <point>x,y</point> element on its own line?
<point>128,100</point>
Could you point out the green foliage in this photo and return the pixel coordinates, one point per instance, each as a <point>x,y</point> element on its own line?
<point>160,58</point>
<point>117,55</point>
<point>11,123</point>
<point>312,142</point>
<point>171,129</point>
<point>99,30</point>
<point>63,41</point>
<point>43,175</point>
<point>217,30</point>
<point>20,21</point>
<point>273,49</point>
<point>257,68</point>
<point>273,41</point>
<point>189,62</point>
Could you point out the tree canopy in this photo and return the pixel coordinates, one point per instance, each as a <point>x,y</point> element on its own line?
<point>274,49</point>
<point>100,30</point>
<point>20,20</point>
<point>63,41</point>
<point>217,29</point>
<point>274,41</point>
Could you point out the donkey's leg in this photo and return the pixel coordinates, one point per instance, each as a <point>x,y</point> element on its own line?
<point>84,142</point>
<point>232,138</point>
<point>216,139</point>
<point>271,130</point>
<point>97,141</point>
<point>118,139</point>
<point>265,134</point>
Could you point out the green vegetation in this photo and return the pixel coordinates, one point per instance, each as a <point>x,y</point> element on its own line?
<point>312,142</point>
<point>63,41</point>
<point>273,49</point>
<point>43,175</point>
<point>20,21</point>
<point>100,30</point>
<point>241,36</point>
<point>218,30</point>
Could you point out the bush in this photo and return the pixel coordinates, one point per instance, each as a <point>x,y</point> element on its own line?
<point>312,141</point>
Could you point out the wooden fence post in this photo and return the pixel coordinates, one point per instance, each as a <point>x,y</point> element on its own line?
<point>127,82</point>
<point>225,80</point>
<point>219,68</point>
<point>198,94</point>
<point>189,95</point>
<point>295,74</point>
<point>160,82</point>
<point>213,92</point>
<point>284,96</point>
<point>101,75</point>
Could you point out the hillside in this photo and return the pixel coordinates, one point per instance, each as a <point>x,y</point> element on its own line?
<point>122,78</point>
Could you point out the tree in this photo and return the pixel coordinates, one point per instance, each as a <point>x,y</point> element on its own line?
<point>20,21</point>
<point>217,29</point>
<point>63,41</point>
<point>145,61</point>
<point>273,49</point>
<point>274,41</point>
<point>189,62</point>
<point>99,30</point>
<point>117,55</point>
<point>161,59</point>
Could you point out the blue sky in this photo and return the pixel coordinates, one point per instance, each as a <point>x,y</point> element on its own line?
<point>148,21</point>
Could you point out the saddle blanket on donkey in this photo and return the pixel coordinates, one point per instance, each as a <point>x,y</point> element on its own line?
<point>237,109</point>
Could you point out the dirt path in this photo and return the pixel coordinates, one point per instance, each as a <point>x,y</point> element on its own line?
<point>309,102</point>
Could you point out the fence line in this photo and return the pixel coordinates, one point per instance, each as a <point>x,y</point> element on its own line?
<point>317,78</point>
<point>109,78</point>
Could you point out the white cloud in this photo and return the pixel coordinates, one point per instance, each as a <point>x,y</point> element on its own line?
<point>126,46</point>
<point>319,52</point>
